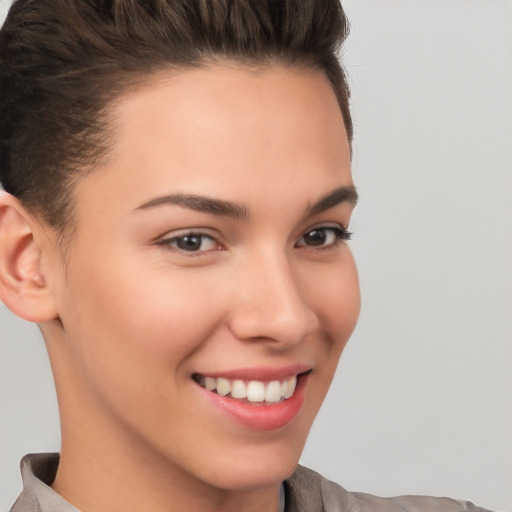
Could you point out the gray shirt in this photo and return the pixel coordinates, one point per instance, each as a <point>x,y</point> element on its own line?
<point>304,491</point>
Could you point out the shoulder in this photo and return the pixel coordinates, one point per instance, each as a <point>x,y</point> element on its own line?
<point>307,491</point>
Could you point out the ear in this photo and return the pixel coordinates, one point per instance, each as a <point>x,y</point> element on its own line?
<point>23,288</point>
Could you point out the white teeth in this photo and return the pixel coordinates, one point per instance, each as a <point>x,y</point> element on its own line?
<point>210,384</point>
<point>290,387</point>
<point>254,391</point>
<point>223,387</point>
<point>238,389</point>
<point>273,391</point>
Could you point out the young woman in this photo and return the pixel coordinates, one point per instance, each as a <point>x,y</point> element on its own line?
<point>176,222</point>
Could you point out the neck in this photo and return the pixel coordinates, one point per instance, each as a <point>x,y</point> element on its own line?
<point>102,483</point>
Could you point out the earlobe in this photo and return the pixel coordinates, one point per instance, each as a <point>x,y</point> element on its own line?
<point>23,288</point>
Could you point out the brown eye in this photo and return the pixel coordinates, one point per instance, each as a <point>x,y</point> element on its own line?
<point>316,237</point>
<point>323,237</point>
<point>191,242</point>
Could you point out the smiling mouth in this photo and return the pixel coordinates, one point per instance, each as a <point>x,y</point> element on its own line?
<point>253,391</point>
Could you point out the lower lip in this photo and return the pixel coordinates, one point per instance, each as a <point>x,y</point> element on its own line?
<point>261,416</point>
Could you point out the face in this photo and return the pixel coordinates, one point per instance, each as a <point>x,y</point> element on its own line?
<point>209,289</point>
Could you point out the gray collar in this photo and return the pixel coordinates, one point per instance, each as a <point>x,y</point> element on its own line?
<point>38,472</point>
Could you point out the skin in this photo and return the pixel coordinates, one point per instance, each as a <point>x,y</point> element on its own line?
<point>128,319</point>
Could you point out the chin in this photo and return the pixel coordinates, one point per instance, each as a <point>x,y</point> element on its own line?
<point>254,476</point>
<point>258,468</point>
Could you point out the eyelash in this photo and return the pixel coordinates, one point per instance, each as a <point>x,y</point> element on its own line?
<point>173,242</point>
<point>340,234</point>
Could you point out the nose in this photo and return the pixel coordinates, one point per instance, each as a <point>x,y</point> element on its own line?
<point>270,304</point>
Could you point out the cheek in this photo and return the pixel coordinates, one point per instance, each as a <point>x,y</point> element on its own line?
<point>147,323</point>
<point>132,341</point>
<point>337,300</point>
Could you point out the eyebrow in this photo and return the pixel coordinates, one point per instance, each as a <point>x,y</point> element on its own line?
<point>345,194</point>
<point>200,204</point>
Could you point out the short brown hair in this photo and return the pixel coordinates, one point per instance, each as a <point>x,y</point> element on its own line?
<point>63,62</point>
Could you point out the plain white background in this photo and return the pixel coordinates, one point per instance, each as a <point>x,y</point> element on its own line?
<point>423,398</point>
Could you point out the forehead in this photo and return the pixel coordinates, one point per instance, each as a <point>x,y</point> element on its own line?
<point>220,129</point>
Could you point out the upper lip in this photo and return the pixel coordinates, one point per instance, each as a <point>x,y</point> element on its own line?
<point>261,373</point>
